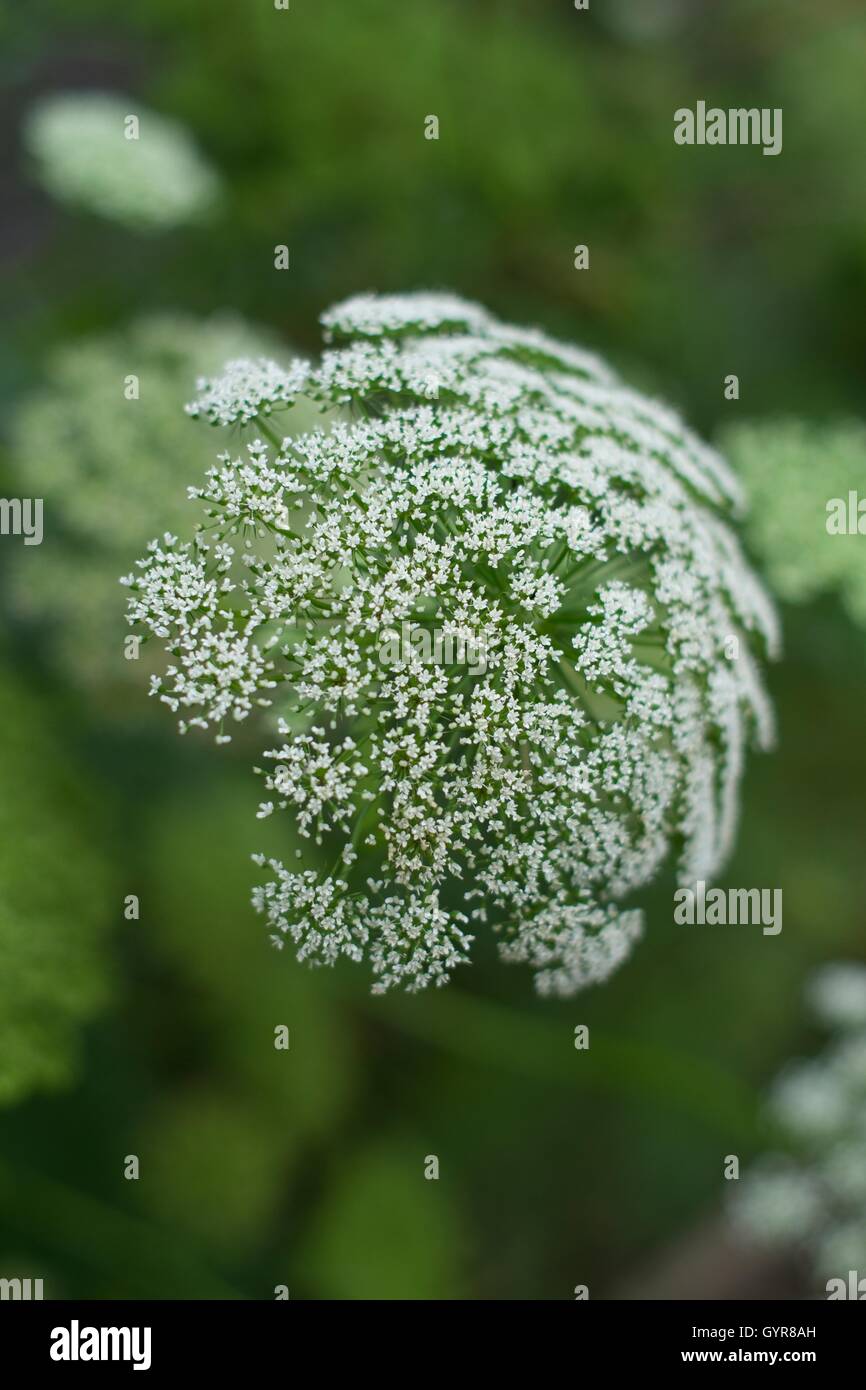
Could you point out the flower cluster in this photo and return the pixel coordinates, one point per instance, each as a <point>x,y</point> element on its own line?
<point>110,459</point>
<point>791,469</point>
<point>813,1191</point>
<point>79,145</point>
<point>492,481</point>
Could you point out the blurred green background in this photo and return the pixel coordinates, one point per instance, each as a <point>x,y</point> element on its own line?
<point>154,1036</point>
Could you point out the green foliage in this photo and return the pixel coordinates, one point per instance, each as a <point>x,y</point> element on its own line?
<point>385,1231</point>
<point>212,1166</point>
<point>202,923</point>
<point>556,129</point>
<point>53,901</point>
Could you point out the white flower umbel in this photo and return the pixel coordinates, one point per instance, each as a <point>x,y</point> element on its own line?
<point>792,471</point>
<point>82,154</point>
<point>487,480</point>
<point>812,1192</point>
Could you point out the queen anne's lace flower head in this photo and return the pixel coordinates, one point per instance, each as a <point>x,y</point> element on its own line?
<point>78,142</point>
<point>812,1191</point>
<point>491,482</point>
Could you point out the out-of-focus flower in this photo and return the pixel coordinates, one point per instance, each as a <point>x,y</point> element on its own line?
<point>813,1191</point>
<point>776,1200</point>
<point>837,994</point>
<point>53,903</point>
<point>493,486</point>
<point>111,458</point>
<point>791,469</point>
<point>106,153</point>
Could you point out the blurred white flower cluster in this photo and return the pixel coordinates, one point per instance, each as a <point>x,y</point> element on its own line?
<point>111,461</point>
<point>488,481</point>
<point>812,1192</point>
<point>791,469</point>
<point>85,152</point>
